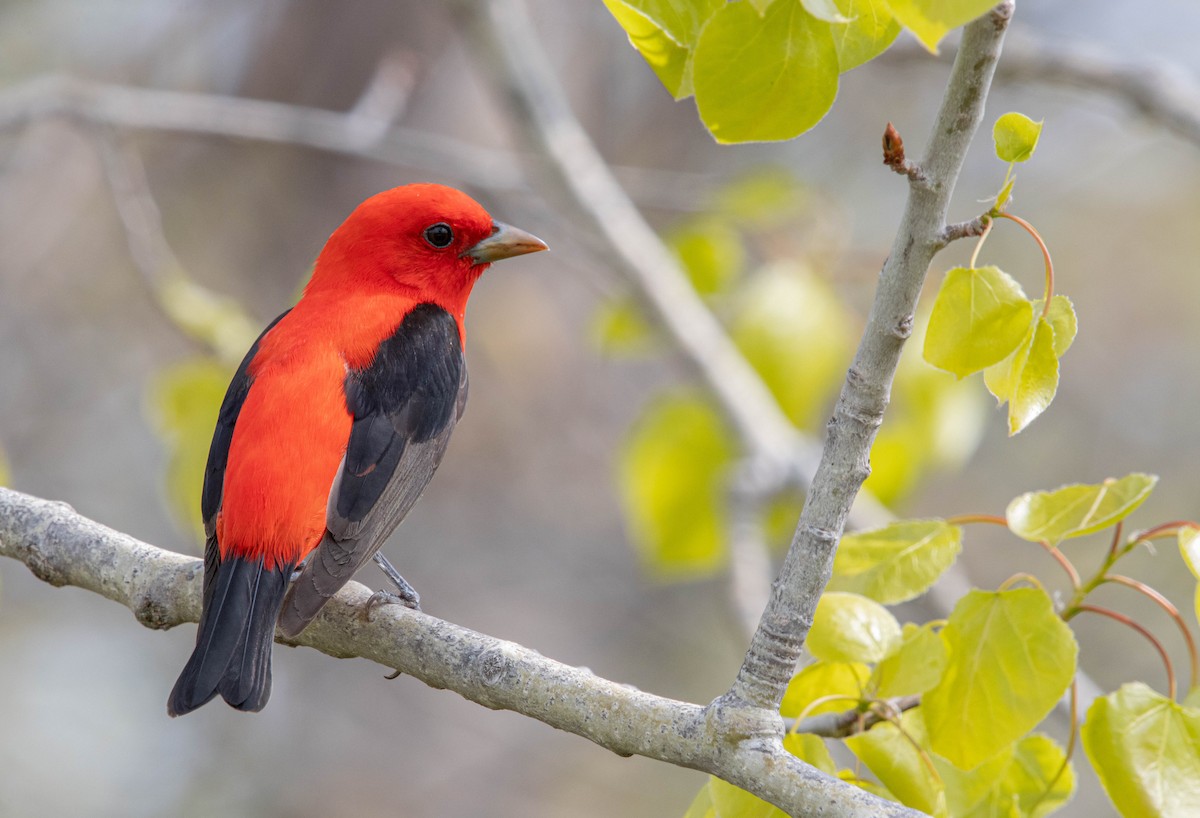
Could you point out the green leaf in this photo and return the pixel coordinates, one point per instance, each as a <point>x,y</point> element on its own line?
<point>812,749</point>
<point>826,10</point>
<point>1076,510</point>
<point>1028,379</point>
<point>1146,750</point>
<point>672,479</point>
<point>5,474</point>
<point>717,799</point>
<point>852,628</point>
<point>1189,547</point>
<point>930,20</point>
<point>619,327</point>
<point>916,667</point>
<point>868,30</point>
<point>665,34</point>
<point>967,790</point>
<point>1036,762</point>
<point>891,756</point>
<point>796,333</point>
<point>183,402</point>
<point>1016,137</point>
<point>1015,782</point>
<point>1061,316</point>
<point>214,320</point>
<point>1005,193</point>
<point>764,78</point>
<point>819,680</point>
<point>762,200</point>
<point>897,562</point>
<point>979,317</point>
<point>711,253</point>
<point>1011,658</point>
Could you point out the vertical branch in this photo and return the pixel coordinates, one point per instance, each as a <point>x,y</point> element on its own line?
<point>776,645</point>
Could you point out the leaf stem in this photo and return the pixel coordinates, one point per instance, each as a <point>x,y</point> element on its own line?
<point>1066,564</point>
<point>1070,746</point>
<point>1029,228</point>
<point>988,221</point>
<point>1022,577</point>
<point>965,519</point>
<point>1172,612</point>
<point>1125,620</point>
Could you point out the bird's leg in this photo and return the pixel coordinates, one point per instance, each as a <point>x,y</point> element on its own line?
<point>296,571</point>
<point>406,594</point>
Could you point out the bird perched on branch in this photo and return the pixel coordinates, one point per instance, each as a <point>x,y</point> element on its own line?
<point>332,427</point>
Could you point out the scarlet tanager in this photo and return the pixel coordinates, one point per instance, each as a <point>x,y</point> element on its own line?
<point>333,425</point>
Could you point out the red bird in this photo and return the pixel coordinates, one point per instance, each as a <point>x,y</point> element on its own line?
<point>333,425</point>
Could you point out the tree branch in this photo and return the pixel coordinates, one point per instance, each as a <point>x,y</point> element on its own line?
<point>163,590</point>
<point>1161,92</point>
<point>776,646</point>
<point>359,132</point>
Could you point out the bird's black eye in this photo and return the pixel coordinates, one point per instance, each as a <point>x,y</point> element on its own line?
<point>439,235</point>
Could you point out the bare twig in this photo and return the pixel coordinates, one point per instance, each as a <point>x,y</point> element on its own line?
<point>776,646</point>
<point>163,590</point>
<point>359,132</point>
<point>1163,93</point>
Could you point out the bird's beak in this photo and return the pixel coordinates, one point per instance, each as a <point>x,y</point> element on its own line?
<point>506,241</point>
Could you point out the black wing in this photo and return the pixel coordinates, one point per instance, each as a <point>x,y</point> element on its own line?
<point>218,458</point>
<point>404,407</point>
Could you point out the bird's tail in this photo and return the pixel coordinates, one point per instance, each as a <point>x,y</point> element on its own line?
<point>233,643</point>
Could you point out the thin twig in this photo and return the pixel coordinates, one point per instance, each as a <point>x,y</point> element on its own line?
<point>850,722</point>
<point>1146,634</point>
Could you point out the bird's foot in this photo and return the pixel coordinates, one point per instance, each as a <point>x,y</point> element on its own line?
<point>405,595</point>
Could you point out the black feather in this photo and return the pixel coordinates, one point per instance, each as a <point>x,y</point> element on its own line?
<point>233,643</point>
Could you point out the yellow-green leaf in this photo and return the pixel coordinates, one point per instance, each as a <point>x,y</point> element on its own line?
<point>1028,379</point>
<point>841,682</point>
<point>812,749</point>
<point>1011,658</point>
<point>979,317</point>
<point>665,34</point>
<point>968,789</point>
<point>907,772</point>
<point>1061,316</point>
<point>718,799</point>
<point>897,562</point>
<point>796,333</point>
<point>619,327</point>
<point>1036,762</point>
<point>4,472</point>
<point>710,251</point>
<point>764,78</point>
<point>1189,547</point>
<point>930,20</point>
<point>868,30</point>
<point>826,10</point>
<point>1146,750</point>
<point>1016,137</point>
<point>672,479</point>
<point>762,199</point>
<point>916,667</point>
<point>1079,509</point>
<point>1005,193</point>
<point>184,400</point>
<point>216,321</point>
<point>852,628</point>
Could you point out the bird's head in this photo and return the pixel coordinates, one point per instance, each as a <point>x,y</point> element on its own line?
<point>431,240</point>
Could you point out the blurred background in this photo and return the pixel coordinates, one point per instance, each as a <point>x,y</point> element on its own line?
<point>520,535</point>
